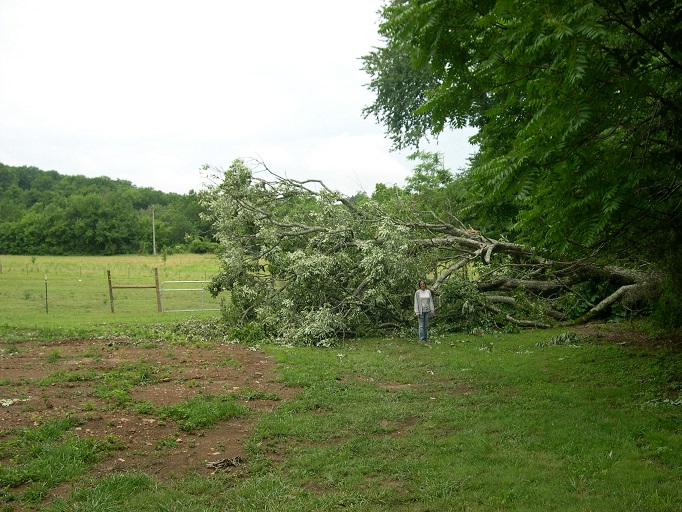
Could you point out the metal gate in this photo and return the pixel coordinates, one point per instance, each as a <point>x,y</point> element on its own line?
<point>172,291</point>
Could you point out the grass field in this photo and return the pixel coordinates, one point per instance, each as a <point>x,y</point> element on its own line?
<point>73,292</point>
<point>534,421</point>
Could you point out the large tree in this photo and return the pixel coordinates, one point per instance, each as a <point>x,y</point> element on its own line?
<point>306,264</point>
<point>577,104</point>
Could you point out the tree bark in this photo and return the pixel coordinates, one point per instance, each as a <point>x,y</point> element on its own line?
<point>601,308</point>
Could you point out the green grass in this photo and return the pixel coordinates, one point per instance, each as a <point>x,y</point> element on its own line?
<point>116,385</point>
<point>504,422</point>
<point>47,455</point>
<point>497,423</point>
<point>516,422</point>
<point>72,292</point>
<point>203,411</point>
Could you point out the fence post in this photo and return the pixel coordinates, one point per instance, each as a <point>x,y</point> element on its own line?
<point>111,291</point>
<point>158,291</point>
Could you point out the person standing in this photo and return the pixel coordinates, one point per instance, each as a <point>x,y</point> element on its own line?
<point>423,309</point>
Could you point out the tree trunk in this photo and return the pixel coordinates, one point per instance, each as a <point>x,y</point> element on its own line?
<point>601,308</point>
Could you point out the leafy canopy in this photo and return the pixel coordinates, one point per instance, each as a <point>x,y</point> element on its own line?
<point>577,105</point>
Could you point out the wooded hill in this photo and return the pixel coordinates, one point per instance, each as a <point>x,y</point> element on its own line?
<point>44,212</point>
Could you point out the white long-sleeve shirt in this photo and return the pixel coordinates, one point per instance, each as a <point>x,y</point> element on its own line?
<point>423,299</point>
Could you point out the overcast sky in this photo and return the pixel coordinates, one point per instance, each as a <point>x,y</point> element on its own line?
<point>148,91</point>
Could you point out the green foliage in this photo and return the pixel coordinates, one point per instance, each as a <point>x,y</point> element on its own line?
<point>43,212</point>
<point>432,189</point>
<point>201,245</point>
<point>565,338</point>
<point>428,175</point>
<point>460,308</point>
<point>668,303</point>
<point>578,303</point>
<point>306,266</point>
<point>577,106</point>
<point>309,266</point>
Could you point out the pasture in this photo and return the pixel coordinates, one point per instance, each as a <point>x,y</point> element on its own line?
<point>101,412</point>
<point>73,291</point>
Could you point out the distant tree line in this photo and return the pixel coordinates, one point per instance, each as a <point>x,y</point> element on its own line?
<point>44,212</point>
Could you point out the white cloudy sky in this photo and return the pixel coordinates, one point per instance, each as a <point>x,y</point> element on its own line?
<point>150,90</point>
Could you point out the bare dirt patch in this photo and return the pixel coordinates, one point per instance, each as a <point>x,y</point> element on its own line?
<point>46,381</point>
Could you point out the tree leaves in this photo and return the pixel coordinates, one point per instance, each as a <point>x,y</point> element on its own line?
<point>566,95</point>
<point>304,262</point>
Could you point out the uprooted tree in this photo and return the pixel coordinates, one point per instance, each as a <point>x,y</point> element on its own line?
<point>578,107</point>
<point>308,265</point>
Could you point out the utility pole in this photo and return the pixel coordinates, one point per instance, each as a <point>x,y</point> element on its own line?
<point>153,232</point>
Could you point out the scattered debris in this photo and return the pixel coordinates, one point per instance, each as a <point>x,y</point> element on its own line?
<point>6,402</point>
<point>565,338</point>
<point>226,463</point>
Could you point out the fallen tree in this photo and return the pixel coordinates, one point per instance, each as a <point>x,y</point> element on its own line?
<point>306,264</point>
<point>527,270</point>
